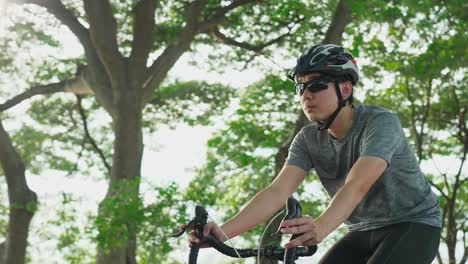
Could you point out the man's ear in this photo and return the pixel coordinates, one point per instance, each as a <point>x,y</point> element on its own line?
<point>346,89</point>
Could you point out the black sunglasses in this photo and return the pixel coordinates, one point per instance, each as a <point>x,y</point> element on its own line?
<point>314,86</point>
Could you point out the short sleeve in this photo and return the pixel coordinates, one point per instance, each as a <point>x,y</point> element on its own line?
<point>383,135</point>
<point>298,155</point>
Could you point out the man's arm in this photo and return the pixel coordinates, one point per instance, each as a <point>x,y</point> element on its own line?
<point>361,177</point>
<point>266,202</point>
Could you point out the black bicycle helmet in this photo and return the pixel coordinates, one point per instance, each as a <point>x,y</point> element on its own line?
<point>330,60</point>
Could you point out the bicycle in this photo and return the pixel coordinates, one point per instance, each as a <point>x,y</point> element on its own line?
<point>288,256</point>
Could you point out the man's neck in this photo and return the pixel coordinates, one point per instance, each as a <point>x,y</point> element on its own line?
<point>342,122</point>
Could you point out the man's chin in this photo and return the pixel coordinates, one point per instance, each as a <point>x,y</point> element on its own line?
<point>313,118</point>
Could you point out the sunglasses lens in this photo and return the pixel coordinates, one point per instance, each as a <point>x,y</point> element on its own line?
<point>314,86</point>
<point>317,85</point>
<point>299,88</point>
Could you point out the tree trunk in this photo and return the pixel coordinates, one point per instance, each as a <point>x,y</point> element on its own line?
<point>22,201</point>
<point>128,150</point>
<point>451,228</point>
<point>341,18</point>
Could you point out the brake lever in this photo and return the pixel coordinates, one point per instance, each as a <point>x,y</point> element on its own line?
<point>293,210</point>
<point>197,223</point>
<point>182,229</point>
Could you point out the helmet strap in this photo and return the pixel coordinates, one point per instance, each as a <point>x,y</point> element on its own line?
<point>322,125</point>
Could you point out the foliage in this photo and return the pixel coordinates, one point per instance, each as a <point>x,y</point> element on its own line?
<point>56,130</point>
<point>306,20</point>
<point>72,235</point>
<point>429,89</point>
<point>163,216</point>
<point>427,65</point>
<point>32,51</point>
<point>153,221</point>
<point>123,211</point>
<point>193,102</point>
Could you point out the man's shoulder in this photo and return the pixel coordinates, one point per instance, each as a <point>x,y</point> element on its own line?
<point>310,128</point>
<point>369,112</point>
<point>378,120</point>
<point>373,110</point>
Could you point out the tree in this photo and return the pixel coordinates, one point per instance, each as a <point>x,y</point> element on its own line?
<point>21,199</point>
<point>129,47</point>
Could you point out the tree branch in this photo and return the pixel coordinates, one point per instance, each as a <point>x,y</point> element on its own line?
<point>444,217</point>
<point>441,173</point>
<point>465,256</point>
<point>219,14</point>
<point>64,15</point>
<point>103,29</point>
<point>41,89</point>
<point>2,250</point>
<point>143,31</point>
<point>159,69</point>
<point>439,258</point>
<point>439,189</point>
<point>56,8</point>
<point>463,181</point>
<point>161,66</point>
<point>465,246</point>
<point>88,135</point>
<point>425,116</point>
<point>255,48</point>
<point>246,64</point>
<point>449,193</point>
<point>462,133</point>
<point>222,11</point>
<point>341,18</point>
<point>75,167</point>
<point>18,194</point>
<point>417,134</point>
<point>193,13</point>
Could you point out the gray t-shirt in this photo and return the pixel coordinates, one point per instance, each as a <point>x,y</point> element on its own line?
<point>401,194</point>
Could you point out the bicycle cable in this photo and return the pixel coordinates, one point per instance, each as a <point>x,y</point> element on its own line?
<point>227,238</point>
<point>264,231</point>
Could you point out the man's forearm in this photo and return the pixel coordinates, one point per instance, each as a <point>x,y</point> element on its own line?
<point>339,209</point>
<point>263,205</point>
<point>360,179</point>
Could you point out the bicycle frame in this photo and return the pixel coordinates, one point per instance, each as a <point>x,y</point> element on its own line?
<point>288,256</point>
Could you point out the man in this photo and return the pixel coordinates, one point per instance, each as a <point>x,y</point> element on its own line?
<point>363,160</point>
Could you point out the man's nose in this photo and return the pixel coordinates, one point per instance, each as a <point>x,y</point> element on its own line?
<point>306,95</point>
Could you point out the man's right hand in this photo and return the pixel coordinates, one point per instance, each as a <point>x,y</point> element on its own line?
<point>209,228</point>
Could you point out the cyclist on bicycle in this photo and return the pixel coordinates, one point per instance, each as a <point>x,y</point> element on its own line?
<point>364,162</point>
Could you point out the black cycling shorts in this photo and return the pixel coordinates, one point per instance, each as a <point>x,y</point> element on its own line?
<point>411,243</point>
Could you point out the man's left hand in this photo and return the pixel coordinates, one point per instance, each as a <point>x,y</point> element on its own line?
<point>308,230</point>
